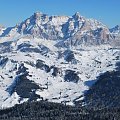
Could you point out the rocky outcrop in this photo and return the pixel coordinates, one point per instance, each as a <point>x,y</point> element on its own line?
<point>115,30</point>
<point>73,30</point>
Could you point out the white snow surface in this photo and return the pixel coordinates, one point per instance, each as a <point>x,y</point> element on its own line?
<point>91,62</point>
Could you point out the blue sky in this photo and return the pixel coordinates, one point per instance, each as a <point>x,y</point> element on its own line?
<point>15,11</point>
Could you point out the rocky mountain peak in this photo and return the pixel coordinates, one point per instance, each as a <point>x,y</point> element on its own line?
<point>115,30</point>
<point>77,16</point>
<point>76,28</point>
<point>37,15</point>
<point>117,27</point>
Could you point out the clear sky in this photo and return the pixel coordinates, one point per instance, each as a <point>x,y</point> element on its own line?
<point>15,11</point>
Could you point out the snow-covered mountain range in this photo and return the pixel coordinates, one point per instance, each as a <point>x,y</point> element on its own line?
<point>54,58</point>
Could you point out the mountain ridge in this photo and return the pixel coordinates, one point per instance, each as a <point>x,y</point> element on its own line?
<point>78,28</point>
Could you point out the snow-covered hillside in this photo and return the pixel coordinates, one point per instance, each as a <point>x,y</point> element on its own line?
<point>61,74</point>
<point>54,58</point>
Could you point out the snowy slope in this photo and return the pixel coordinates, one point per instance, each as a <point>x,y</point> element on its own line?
<point>54,58</point>
<point>55,85</point>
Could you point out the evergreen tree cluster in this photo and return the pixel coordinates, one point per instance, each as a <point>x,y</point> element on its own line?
<point>43,110</point>
<point>106,91</point>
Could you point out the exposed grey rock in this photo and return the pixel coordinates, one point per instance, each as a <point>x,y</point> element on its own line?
<point>115,30</point>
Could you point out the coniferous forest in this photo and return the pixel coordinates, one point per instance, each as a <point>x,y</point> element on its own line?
<point>54,111</point>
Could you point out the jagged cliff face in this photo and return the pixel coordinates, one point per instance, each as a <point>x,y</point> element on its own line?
<point>42,26</point>
<point>72,30</point>
<point>63,27</point>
